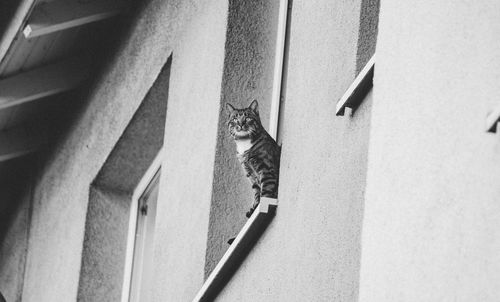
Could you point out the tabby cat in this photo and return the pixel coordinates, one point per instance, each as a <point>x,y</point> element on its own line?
<point>257,151</point>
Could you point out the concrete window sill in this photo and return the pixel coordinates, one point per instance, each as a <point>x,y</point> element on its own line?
<point>355,94</point>
<point>493,120</point>
<point>238,250</point>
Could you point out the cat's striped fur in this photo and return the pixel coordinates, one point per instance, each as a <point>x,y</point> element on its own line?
<point>258,152</point>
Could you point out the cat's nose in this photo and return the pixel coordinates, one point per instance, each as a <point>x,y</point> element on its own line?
<point>238,127</point>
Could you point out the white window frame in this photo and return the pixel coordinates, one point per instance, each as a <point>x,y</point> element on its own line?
<point>148,177</point>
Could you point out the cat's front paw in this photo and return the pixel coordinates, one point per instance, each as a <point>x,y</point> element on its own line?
<point>252,209</point>
<point>250,212</point>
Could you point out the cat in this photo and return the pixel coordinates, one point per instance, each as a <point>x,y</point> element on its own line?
<point>257,151</point>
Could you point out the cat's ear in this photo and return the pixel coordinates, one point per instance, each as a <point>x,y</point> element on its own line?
<point>229,108</point>
<point>254,106</point>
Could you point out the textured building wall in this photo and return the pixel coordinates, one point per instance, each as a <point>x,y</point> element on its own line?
<point>248,75</point>
<point>105,241</point>
<point>432,224</point>
<point>61,191</point>
<point>311,250</point>
<point>187,172</point>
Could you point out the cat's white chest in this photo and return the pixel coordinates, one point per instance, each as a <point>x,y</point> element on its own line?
<point>243,145</point>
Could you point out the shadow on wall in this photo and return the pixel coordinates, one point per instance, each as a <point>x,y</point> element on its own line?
<point>13,185</point>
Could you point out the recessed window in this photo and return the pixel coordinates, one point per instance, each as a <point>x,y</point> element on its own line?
<point>232,191</point>
<point>125,182</point>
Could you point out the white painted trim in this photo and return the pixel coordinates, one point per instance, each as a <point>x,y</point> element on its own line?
<point>148,176</point>
<point>278,69</point>
<point>352,96</point>
<point>492,120</point>
<point>129,254</point>
<point>237,249</point>
<point>50,17</point>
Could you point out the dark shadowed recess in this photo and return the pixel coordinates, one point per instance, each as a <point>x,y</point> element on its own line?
<point>13,184</point>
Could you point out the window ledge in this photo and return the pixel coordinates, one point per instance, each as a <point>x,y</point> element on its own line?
<point>492,120</point>
<point>238,250</point>
<point>359,88</point>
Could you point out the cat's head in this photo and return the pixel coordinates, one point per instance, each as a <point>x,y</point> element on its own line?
<point>244,123</point>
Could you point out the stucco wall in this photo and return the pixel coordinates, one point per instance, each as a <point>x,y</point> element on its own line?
<point>311,250</point>
<point>101,274</point>
<point>187,170</point>
<point>61,192</point>
<point>432,224</point>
